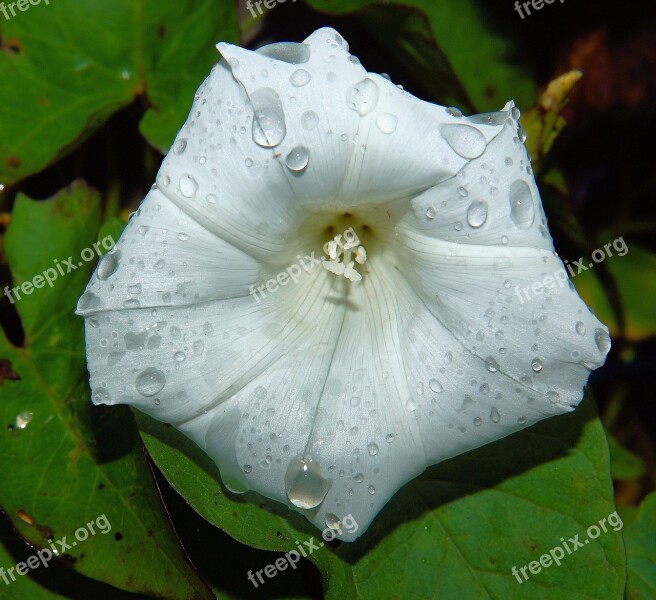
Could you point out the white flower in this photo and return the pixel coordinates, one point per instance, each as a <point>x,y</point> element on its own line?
<point>330,393</point>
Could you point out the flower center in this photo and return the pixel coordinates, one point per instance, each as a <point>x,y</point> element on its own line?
<point>341,250</point>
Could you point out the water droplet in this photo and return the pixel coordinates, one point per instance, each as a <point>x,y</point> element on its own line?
<point>602,340</point>
<point>363,96</point>
<point>180,146</point>
<point>134,289</point>
<point>477,213</point>
<point>305,486</point>
<point>132,303</point>
<point>23,419</point>
<point>179,356</point>
<point>188,186</point>
<point>389,438</point>
<point>371,489</point>
<point>332,521</point>
<point>495,417</point>
<point>507,284</point>
<point>478,421</point>
<point>247,469</point>
<point>297,159</point>
<point>410,405</point>
<point>387,122</point>
<point>553,396</point>
<point>484,389</point>
<point>491,365</point>
<point>289,52</point>
<point>309,120</point>
<point>464,140</point>
<point>462,192</point>
<point>514,113</point>
<point>536,365</point>
<point>522,420</point>
<point>435,386</point>
<point>108,265</point>
<point>269,127</point>
<point>150,382</point>
<point>300,77</point>
<point>372,449</point>
<point>491,118</point>
<point>89,301</point>
<point>580,328</point>
<point>454,112</point>
<point>330,76</point>
<point>430,213</point>
<point>101,396</point>
<point>522,211</point>
<point>359,478</point>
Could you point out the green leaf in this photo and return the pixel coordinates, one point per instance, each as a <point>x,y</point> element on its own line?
<point>485,60</point>
<point>640,538</point>
<point>66,463</point>
<point>624,465</point>
<point>636,286</point>
<point>463,525</point>
<point>72,64</point>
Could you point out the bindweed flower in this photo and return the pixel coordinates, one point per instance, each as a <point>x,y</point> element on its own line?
<point>321,288</point>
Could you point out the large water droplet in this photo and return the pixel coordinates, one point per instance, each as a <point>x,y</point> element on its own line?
<point>430,213</point>
<point>297,159</point>
<point>269,127</point>
<point>464,140</point>
<point>602,340</point>
<point>150,382</point>
<point>536,365</point>
<point>495,417</point>
<point>300,77</point>
<point>372,449</point>
<point>387,122</point>
<point>477,213</point>
<point>332,521</point>
<point>522,211</point>
<point>363,96</point>
<point>108,265</point>
<point>89,301</point>
<point>289,52</point>
<point>188,186</point>
<point>305,486</point>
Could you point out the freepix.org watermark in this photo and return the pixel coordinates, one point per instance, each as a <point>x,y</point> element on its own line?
<point>569,546</point>
<point>291,559</point>
<point>548,282</point>
<point>51,274</point>
<point>535,4</point>
<point>269,4</point>
<point>8,9</point>
<point>44,556</point>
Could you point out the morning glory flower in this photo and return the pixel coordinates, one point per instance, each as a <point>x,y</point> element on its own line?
<point>321,288</point>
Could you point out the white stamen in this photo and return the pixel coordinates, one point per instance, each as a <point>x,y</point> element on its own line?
<point>337,249</point>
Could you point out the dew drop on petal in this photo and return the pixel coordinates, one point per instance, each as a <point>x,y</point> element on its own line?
<point>466,141</point>
<point>332,521</point>
<point>300,77</point>
<point>293,53</point>
<point>435,386</point>
<point>477,213</point>
<point>430,213</point>
<point>602,340</point>
<point>536,365</point>
<point>389,438</point>
<point>305,486</point>
<point>309,120</point>
<point>495,417</point>
<point>363,96</point>
<point>179,356</point>
<point>150,382</point>
<point>386,122</point>
<point>454,112</point>
<point>188,186</point>
<point>89,301</point>
<point>180,146</point>
<point>108,265</point>
<point>371,489</point>
<point>491,365</point>
<point>372,449</point>
<point>580,328</point>
<point>297,159</point>
<point>491,118</point>
<point>522,211</point>
<point>269,128</point>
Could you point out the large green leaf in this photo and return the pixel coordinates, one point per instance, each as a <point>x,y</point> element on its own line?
<point>640,538</point>
<point>68,65</point>
<point>456,531</point>
<point>65,463</point>
<point>486,62</point>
